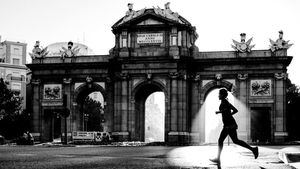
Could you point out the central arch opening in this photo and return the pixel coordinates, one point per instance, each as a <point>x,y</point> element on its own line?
<point>149,113</point>
<point>155,117</point>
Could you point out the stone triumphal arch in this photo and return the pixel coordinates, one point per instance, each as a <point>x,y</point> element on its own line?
<point>155,51</point>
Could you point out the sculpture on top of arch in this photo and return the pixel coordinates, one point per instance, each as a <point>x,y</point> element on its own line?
<point>167,13</point>
<point>242,46</point>
<point>280,43</point>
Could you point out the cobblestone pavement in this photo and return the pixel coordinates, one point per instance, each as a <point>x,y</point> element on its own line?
<point>88,156</point>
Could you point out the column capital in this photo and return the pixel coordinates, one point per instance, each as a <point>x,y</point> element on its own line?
<point>121,76</point>
<point>280,76</point>
<point>89,79</point>
<point>36,81</point>
<point>196,77</point>
<point>218,76</point>
<point>67,80</point>
<point>149,76</point>
<point>242,76</point>
<point>173,75</point>
<point>108,79</point>
<point>124,76</point>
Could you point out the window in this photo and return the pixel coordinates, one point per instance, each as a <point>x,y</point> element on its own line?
<point>16,78</point>
<point>16,86</point>
<point>17,50</point>
<point>16,54</point>
<point>16,61</point>
<point>2,54</point>
<point>2,59</point>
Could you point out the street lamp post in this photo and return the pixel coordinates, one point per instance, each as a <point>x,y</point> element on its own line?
<point>102,119</point>
<point>86,118</point>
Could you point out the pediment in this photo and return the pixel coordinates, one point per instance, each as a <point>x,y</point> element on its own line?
<point>150,21</point>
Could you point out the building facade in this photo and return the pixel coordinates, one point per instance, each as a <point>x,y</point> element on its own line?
<point>12,66</point>
<point>155,51</point>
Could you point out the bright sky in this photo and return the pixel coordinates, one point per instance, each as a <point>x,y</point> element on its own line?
<point>89,22</point>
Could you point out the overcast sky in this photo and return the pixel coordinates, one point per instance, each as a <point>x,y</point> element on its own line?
<point>89,22</point>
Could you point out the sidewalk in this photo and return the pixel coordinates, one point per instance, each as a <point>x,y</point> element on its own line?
<point>232,157</point>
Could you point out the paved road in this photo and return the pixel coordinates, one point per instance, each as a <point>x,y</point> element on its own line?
<point>90,157</point>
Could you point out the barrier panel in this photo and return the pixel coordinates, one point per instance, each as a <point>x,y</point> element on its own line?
<point>83,135</point>
<point>91,136</point>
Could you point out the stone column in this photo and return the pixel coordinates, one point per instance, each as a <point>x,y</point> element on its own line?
<point>245,118</point>
<point>67,91</point>
<point>120,108</point>
<point>201,112</point>
<point>184,103</point>
<point>195,105</point>
<point>280,107</point>
<point>124,106</point>
<point>109,108</point>
<point>117,104</point>
<point>179,105</point>
<point>168,110</point>
<point>131,113</point>
<point>184,134</point>
<point>36,109</point>
<point>172,135</point>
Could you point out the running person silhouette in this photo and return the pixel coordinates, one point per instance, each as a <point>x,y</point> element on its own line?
<point>230,126</point>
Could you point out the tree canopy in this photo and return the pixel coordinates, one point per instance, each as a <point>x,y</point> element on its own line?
<point>293,115</point>
<point>13,121</point>
<point>93,108</point>
<point>10,101</point>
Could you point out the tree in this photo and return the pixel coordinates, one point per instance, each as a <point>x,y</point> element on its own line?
<point>10,101</point>
<point>93,109</point>
<point>10,109</point>
<point>293,115</point>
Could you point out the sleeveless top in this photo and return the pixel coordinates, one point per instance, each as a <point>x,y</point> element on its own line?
<point>227,118</point>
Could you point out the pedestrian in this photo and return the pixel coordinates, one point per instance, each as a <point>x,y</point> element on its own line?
<point>30,139</point>
<point>229,126</point>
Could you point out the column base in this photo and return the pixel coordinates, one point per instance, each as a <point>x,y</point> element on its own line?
<point>124,52</point>
<point>195,139</point>
<point>280,136</point>
<point>178,138</point>
<point>120,136</point>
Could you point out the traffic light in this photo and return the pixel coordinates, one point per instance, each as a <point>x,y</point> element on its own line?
<point>86,117</point>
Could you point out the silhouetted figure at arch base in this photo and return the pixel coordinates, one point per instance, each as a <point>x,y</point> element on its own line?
<point>230,126</point>
<point>155,51</point>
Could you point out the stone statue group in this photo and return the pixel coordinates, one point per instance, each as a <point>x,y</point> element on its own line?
<point>40,52</point>
<point>244,46</point>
